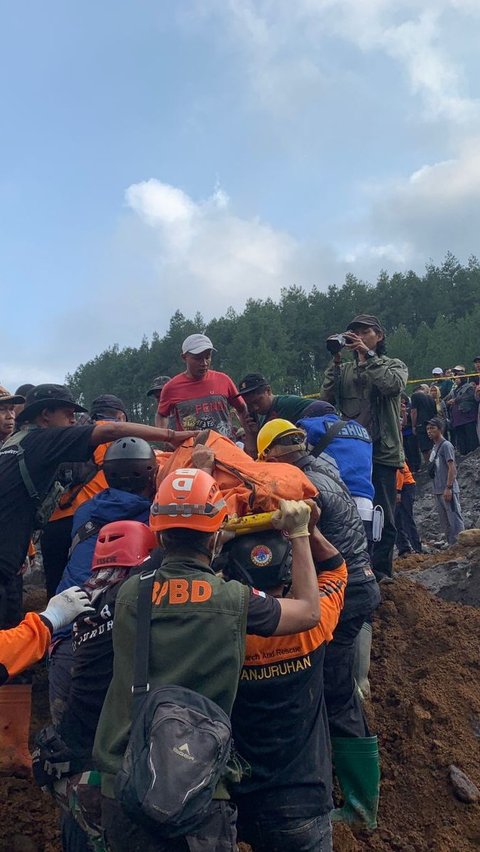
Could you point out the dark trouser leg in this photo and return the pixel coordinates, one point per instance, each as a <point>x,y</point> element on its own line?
<point>384,482</point>
<point>407,520</point>
<point>59,677</point>
<point>412,454</point>
<point>11,593</point>
<point>471,438</point>
<point>277,833</point>
<point>217,832</point>
<point>402,541</point>
<point>462,443</point>
<point>56,540</point>
<point>74,838</point>
<point>344,706</point>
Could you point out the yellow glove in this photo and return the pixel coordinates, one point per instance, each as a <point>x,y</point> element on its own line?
<point>293,517</point>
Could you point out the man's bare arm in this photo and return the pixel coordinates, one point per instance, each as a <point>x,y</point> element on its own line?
<point>103,433</point>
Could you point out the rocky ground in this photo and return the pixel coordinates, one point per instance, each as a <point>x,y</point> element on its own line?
<point>425,704</point>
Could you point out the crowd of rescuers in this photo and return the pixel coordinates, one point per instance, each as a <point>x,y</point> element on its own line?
<point>274,627</point>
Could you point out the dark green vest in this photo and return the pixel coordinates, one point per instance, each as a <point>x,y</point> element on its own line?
<point>198,633</point>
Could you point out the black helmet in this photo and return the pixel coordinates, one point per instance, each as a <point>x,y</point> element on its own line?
<point>130,465</point>
<point>262,560</point>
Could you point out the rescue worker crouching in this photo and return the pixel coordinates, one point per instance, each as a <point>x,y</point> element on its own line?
<point>355,751</point>
<point>206,621</point>
<point>280,724</point>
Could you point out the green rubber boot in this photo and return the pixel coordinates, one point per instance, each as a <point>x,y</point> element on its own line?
<point>357,767</point>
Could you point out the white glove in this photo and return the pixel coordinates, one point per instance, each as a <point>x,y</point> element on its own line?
<point>66,607</point>
<point>293,517</point>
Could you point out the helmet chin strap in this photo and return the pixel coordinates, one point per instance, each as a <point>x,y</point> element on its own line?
<point>215,552</point>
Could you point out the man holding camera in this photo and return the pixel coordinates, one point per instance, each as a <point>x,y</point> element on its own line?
<point>368,389</point>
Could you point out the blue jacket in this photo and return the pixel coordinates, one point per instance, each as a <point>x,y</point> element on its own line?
<point>351,449</point>
<point>107,506</point>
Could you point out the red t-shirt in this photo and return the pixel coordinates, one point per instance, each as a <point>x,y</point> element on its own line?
<point>201,403</point>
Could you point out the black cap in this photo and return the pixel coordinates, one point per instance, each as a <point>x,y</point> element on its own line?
<point>47,396</point>
<point>368,320</point>
<point>106,400</point>
<point>477,358</point>
<point>23,389</point>
<point>436,421</point>
<point>251,382</point>
<point>158,383</point>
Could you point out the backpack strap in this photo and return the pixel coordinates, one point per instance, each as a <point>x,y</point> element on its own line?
<point>87,529</point>
<point>73,492</point>
<point>141,685</point>
<point>15,440</point>
<point>327,438</point>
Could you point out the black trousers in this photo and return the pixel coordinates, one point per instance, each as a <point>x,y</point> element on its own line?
<point>11,593</point>
<point>344,707</point>
<point>412,453</point>
<point>56,541</point>
<point>467,439</point>
<point>407,533</point>
<point>384,480</point>
<point>217,832</point>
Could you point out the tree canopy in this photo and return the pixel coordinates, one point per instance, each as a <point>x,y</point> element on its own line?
<point>430,321</point>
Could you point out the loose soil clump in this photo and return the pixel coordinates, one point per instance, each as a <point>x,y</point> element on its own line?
<point>425,708</point>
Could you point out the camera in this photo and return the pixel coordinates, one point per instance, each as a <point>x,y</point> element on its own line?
<point>336,342</point>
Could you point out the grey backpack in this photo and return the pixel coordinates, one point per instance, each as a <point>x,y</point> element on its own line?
<point>179,745</point>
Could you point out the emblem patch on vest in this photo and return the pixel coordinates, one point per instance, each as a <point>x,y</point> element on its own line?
<point>261,555</point>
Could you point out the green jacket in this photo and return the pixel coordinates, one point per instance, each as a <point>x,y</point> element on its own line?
<point>197,640</point>
<point>370,393</point>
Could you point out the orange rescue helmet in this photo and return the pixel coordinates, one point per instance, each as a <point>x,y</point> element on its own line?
<point>188,499</point>
<point>123,544</point>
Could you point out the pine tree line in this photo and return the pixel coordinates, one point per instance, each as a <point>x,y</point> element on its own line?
<point>431,320</point>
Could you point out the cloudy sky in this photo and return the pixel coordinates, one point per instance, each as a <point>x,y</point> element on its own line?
<point>193,153</point>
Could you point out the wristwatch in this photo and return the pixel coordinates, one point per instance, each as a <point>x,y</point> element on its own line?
<point>370,354</point>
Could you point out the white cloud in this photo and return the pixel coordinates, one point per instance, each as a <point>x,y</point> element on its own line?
<point>205,244</point>
<point>435,209</point>
<point>286,55</point>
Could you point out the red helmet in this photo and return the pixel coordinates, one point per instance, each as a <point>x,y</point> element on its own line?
<point>123,544</point>
<point>188,499</point>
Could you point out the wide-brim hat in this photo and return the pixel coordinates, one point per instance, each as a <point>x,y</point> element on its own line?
<point>159,383</point>
<point>12,398</point>
<point>47,396</point>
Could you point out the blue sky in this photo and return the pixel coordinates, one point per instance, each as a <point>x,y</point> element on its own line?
<point>193,153</point>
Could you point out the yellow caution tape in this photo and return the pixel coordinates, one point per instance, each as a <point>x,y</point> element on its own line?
<point>433,379</point>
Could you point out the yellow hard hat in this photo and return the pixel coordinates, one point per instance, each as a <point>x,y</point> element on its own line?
<point>272,430</point>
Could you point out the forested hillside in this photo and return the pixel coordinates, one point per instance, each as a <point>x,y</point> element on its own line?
<point>431,320</point>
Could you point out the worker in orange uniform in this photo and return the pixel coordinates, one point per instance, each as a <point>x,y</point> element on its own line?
<point>408,539</point>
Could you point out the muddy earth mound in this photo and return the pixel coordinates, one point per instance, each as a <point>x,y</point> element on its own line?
<point>425,707</point>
